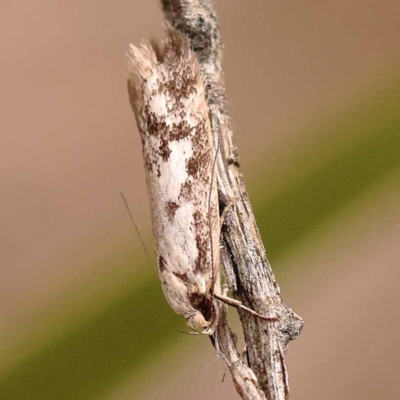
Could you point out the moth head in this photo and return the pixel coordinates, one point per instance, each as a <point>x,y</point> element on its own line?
<point>205,320</point>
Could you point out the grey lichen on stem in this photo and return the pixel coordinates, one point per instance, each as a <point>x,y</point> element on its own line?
<point>243,255</point>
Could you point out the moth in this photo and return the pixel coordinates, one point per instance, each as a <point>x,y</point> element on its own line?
<point>167,96</point>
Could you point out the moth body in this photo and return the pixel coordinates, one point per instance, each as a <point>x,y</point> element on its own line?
<point>168,98</point>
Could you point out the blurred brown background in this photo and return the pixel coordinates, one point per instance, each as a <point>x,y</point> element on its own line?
<point>314,94</point>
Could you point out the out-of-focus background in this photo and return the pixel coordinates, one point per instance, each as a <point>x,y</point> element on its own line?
<point>314,94</point>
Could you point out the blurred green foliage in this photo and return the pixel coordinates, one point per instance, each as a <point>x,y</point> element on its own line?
<point>365,147</point>
<point>99,354</point>
<point>83,364</point>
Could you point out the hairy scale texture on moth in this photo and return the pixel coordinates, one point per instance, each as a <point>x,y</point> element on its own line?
<point>167,96</point>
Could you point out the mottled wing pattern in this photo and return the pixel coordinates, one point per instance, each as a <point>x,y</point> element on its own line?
<point>168,99</point>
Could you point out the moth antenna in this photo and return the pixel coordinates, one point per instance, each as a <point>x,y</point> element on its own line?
<point>227,300</point>
<point>209,214</point>
<point>136,227</point>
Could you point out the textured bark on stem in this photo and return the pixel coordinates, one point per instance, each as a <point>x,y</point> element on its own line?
<point>249,273</point>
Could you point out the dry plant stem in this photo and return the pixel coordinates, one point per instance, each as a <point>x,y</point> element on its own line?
<point>249,274</point>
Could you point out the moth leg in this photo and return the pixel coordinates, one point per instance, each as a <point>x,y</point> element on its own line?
<point>239,304</point>
<point>189,332</point>
<point>233,159</point>
<point>244,355</point>
<point>225,290</point>
<point>227,208</point>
